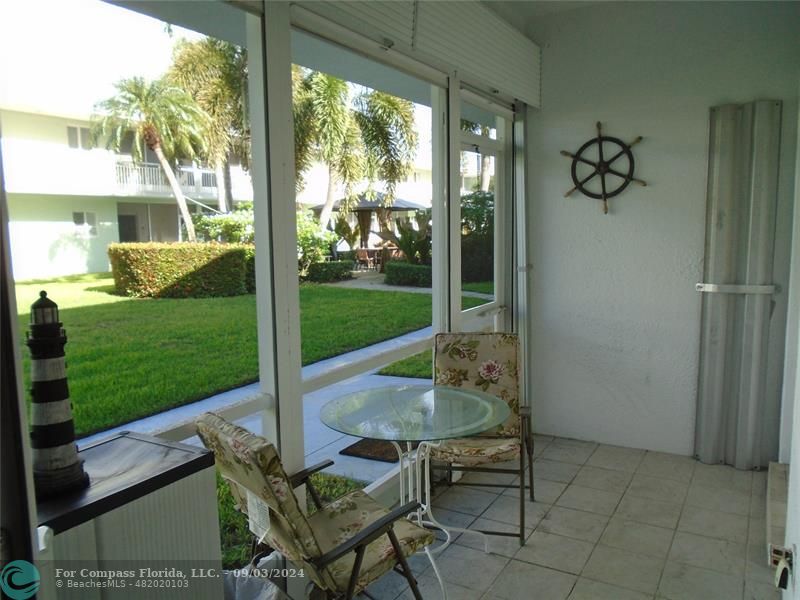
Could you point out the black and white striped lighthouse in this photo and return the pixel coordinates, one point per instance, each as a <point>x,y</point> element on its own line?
<point>56,466</point>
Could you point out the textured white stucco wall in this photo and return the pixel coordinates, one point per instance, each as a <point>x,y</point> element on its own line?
<point>44,241</point>
<point>615,331</point>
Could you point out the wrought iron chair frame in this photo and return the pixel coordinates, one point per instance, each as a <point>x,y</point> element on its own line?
<point>525,450</point>
<point>358,543</point>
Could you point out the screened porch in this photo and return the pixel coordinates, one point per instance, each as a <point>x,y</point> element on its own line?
<point>652,438</point>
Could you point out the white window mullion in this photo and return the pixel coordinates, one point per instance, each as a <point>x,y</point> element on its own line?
<point>277,288</point>
<point>454,202</point>
<point>521,274</point>
<point>439,213</point>
<point>504,226</point>
<point>478,143</point>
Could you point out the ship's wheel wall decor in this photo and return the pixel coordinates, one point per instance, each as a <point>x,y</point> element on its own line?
<point>618,177</point>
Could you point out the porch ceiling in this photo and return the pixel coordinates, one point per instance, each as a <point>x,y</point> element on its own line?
<point>519,14</point>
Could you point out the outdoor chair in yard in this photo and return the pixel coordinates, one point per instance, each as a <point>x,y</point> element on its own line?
<point>364,259</point>
<point>487,362</point>
<point>342,547</point>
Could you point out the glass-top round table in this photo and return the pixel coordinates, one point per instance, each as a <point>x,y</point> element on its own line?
<point>417,413</point>
<point>414,413</point>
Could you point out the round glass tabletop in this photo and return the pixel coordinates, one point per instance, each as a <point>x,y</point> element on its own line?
<point>414,413</point>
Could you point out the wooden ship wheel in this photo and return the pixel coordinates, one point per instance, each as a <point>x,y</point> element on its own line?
<point>614,177</point>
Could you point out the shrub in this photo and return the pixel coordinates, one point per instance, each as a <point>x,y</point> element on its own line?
<point>414,243</point>
<point>477,257</point>
<point>346,255</point>
<point>323,272</point>
<point>403,273</point>
<point>477,212</point>
<point>178,270</point>
<point>234,228</point>
<point>250,269</point>
<point>313,244</point>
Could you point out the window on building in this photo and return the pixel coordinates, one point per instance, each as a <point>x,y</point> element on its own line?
<point>79,137</point>
<point>149,155</point>
<point>85,223</point>
<point>126,144</point>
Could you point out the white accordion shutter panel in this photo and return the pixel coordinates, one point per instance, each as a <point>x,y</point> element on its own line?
<point>483,47</point>
<point>376,19</point>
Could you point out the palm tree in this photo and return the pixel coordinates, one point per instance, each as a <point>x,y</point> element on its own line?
<point>370,135</point>
<point>486,159</point>
<point>214,72</point>
<point>328,132</point>
<point>161,116</point>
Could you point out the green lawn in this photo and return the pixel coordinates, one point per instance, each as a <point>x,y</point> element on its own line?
<point>483,287</point>
<point>419,365</point>
<point>130,358</point>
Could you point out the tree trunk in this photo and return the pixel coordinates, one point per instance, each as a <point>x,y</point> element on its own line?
<point>384,218</point>
<point>364,223</point>
<point>177,192</point>
<point>330,199</point>
<point>223,204</point>
<point>486,165</point>
<point>228,184</point>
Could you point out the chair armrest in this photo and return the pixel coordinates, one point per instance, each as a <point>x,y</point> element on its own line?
<point>300,477</point>
<point>371,532</point>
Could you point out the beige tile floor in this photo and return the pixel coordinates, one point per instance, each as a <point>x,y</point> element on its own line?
<point>608,523</point>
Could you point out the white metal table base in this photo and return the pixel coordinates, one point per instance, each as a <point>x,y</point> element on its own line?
<point>415,484</point>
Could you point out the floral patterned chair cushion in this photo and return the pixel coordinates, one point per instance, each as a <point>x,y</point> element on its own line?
<point>487,362</point>
<point>348,515</point>
<point>250,463</point>
<point>477,450</point>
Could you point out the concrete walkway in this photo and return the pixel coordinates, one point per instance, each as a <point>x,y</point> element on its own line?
<point>321,442</point>
<point>372,280</point>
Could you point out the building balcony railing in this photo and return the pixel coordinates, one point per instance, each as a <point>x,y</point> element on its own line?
<point>149,178</point>
<point>102,173</point>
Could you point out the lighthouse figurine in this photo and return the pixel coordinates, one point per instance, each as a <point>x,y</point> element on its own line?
<point>56,466</point>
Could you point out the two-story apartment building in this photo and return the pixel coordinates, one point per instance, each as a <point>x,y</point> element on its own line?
<point>68,200</point>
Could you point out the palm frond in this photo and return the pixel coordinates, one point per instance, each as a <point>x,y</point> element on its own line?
<point>214,73</point>
<point>178,123</point>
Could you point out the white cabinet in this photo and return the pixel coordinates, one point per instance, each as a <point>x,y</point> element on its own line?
<point>147,527</point>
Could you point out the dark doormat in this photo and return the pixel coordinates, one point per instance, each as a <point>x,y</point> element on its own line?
<point>374,450</point>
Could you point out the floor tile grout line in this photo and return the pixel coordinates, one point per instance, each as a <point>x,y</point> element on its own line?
<point>473,519</point>
<point>597,543</point>
<point>675,529</point>
<point>747,536</point>
<point>508,561</point>
<point>684,505</point>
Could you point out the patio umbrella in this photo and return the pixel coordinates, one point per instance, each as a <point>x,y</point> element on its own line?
<point>364,208</point>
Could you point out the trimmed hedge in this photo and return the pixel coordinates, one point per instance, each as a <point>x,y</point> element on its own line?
<point>477,257</point>
<point>403,273</point>
<point>250,269</point>
<point>323,272</point>
<point>180,270</point>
